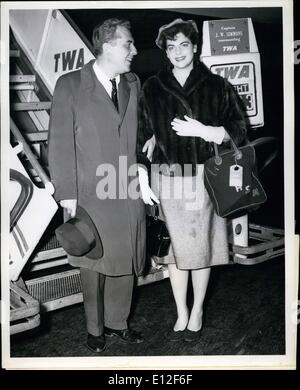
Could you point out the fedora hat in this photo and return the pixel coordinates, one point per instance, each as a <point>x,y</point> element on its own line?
<point>79,236</point>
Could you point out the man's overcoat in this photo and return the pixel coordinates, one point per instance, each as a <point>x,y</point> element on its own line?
<point>86,132</point>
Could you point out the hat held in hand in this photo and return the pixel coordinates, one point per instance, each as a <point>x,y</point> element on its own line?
<point>79,236</point>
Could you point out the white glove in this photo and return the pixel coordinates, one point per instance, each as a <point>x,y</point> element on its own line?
<point>149,147</point>
<point>193,128</point>
<point>70,205</point>
<point>146,192</point>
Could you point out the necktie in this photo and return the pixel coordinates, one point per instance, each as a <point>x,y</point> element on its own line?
<point>114,93</point>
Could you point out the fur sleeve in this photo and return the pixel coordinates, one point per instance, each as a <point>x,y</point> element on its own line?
<point>233,115</point>
<point>145,128</point>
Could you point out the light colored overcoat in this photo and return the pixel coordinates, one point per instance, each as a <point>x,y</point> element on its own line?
<point>86,131</point>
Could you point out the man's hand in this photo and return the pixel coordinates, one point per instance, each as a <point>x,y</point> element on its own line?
<point>146,192</point>
<point>149,147</point>
<point>70,206</point>
<point>193,128</point>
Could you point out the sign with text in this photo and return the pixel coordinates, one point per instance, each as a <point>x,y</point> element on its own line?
<point>242,77</point>
<point>229,36</point>
<point>53,46</point>
<point>230,50</point>
<point>63,55</point>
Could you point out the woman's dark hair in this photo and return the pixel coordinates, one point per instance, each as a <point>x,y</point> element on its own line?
<point>105,32</point>
<point>185,28</point>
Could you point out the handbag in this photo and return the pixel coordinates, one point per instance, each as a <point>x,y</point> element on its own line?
<point>158,239</point>
<point>231,179</point>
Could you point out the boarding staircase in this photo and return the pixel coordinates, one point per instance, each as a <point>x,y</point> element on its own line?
<point>45,281</point>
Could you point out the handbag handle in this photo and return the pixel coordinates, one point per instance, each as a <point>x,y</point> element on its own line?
<point>218,159</point>
<point>257,142</point>
<point>156,211</point>
<point>153,211</point>
<point>262,141</point>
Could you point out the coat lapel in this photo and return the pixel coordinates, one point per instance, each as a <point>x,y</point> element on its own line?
<point>167,80</point>
<point>96,89</point>
<point>90,81</point>
<point>198,74</point>
<point>196,77</point>
<point>123,96</point>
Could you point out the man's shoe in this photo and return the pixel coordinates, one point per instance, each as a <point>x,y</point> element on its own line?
<point>127,335</point>
<point>96,343</point>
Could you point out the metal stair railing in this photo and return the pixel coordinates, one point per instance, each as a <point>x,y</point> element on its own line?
<point>32,158</point>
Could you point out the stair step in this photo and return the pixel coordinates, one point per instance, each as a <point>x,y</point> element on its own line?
<point>14,53</point>
<point>22,87</point>
<point>22,78</point>
<point>38,136</point>
<point>31,106</point>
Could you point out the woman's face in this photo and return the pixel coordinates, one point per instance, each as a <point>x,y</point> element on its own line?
<point>180,51</point>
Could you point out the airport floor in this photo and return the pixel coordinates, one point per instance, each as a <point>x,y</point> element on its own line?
<point>244,315</point>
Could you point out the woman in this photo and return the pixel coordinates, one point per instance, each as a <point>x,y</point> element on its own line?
<point>183,110</point>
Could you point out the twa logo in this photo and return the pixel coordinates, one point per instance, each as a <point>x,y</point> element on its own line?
<point>230,48</point>
<point>242,77</point>
<point>69,60</point>
<point>233,72</point>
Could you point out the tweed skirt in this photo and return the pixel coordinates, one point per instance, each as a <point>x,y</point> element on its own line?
<point>198,235</point>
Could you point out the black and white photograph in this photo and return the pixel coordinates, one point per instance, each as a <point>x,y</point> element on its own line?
<point>147,186</point>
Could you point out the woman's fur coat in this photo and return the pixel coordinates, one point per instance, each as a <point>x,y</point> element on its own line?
<point>205,97</point>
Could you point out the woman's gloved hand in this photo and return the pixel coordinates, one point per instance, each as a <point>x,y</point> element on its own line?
<point>146,192</point>
<point>149,147</point>
<point>193,128</point>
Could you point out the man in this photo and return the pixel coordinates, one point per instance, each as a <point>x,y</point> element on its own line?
<point>94,122</point>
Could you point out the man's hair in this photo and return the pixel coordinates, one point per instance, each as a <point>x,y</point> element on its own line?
<point>105,32</point>
<point>185,28</point>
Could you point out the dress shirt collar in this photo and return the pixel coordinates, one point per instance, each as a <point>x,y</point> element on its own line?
<point>104,79</point>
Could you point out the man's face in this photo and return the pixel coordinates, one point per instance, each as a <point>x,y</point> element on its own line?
<point>122,51</point>
<point>180,51</point>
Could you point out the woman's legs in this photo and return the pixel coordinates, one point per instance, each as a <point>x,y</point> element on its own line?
<point>200,278</point>
<point>179,283</point>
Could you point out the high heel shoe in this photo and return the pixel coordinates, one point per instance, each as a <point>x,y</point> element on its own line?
<point>173,335</point>
<point>190,335</point>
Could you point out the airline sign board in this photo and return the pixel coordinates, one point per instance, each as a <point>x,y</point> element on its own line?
<point>64,51</point>
<point>227,37</point>
<point>242,77</point>
<point>230,50</point>
<point>57,50</point>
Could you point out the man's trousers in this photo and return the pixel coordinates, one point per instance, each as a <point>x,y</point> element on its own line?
<point>107,300</point>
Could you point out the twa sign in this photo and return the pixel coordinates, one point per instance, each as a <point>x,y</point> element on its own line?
<point>230,50</point>
<point>64,54</point>
<point>56,50</point>
<point>69,60</point>
<point>242,77</point>
<point>234,71</point>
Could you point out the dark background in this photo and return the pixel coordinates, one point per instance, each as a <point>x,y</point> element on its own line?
<point>267,24</point>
